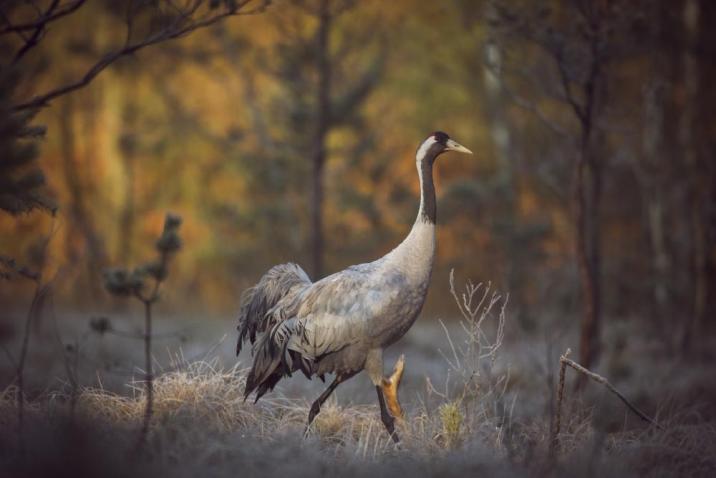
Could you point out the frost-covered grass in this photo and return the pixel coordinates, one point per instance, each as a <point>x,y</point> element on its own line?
<point>477,402</point>
<point>202,426</point>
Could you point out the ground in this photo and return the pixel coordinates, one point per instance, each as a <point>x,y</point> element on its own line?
<point>468,408</point>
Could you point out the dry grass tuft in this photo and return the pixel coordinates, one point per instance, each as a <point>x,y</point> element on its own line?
<point>452,420</point>
<point>202,392</point>
<point>202,426</point>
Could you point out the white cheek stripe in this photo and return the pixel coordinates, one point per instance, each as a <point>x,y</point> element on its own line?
<point>423,149</point>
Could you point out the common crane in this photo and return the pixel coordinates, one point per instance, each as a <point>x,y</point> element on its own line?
<point>342,323</point>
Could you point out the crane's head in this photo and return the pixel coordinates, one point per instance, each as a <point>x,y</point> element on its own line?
<point>437,144</point>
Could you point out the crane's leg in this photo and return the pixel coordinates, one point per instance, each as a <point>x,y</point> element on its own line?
<point>386,417</point>
<point>316,407</point>
<point>390,385</point>
<point>387,389</point>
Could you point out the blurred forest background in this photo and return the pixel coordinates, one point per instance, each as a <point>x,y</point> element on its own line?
<point>286,131</point>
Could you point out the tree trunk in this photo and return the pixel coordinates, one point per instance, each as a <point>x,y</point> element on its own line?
<point>587,205</point>
<point>691,18</point>
<point>499,127</point>
<point>127,215</point>
<point>651,174</point>
<point>319,141</point>
<point>594,241</point>
<point>494,95</point>
<point>589,330</point>
<point>653,191</point>
<point>80,219</point>
<point>128,154</point>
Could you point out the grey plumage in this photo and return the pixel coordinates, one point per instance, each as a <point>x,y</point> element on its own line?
<point>341,323</point>
<point>281,281</point>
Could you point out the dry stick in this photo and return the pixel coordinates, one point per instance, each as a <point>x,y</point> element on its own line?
<point>41,22</point>
<point>117,283</point>
<point>564,361</point>
<point>20,395</point>
<point>605,382</point>
<point>40,294</point>
<point>149,376</point>
<point>148,372</point>
<point>554,442</point>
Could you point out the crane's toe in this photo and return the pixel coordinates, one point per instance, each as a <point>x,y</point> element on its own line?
<point>389,422</point>
<point>385,416</point>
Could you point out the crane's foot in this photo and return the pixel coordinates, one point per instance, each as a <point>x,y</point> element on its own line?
<point>390,385</point>
<point>390,408</point>
<point>389,422</point>
<point>315,408</point>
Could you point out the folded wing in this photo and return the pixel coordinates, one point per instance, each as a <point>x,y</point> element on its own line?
<point>321,319</point>
<point>261,304</point>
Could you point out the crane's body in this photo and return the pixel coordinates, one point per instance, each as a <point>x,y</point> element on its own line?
<point>365,308</point>
<point>342,323</point>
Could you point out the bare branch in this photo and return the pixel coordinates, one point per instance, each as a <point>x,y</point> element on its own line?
<point>554,440</point>
<point>36,35</point>
<point>535,110</point>
<point>605,382</point>
<point>53,13</point>
<point>564,361</point>
<point>176,30</point>
<point>566,85</point>
<point>523,102</point>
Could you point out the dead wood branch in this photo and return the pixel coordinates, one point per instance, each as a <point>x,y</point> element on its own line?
<point>564,361</point>
<point>54,12</point>
<point>183,24</point>
<point>40,295</point>
<point>554,441</point>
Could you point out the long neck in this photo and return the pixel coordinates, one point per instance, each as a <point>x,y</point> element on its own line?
<point>416,253</point>
<point>428,208</point>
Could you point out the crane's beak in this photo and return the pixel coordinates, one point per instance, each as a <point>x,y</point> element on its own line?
<point>457,147</point>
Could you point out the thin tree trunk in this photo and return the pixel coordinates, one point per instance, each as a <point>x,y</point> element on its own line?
<point>148,373</point>
<point>319,141</point>
<point>652,145</point>
<point>126,218</point>
<point>21,392</point>
<point>691,18</point>
<point>589,331</point>
<point>587,200</point>
<point>128,152</point>
<point>79,216</point>
<point>651,178</point>
<point>499,127</point>
<point>594,242</point>
<point>502,139</point>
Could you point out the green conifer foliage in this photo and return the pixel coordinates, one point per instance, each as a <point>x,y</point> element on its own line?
<point>21,179</point>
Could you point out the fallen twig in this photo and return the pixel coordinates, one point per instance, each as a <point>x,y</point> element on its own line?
<point>554,442</point>
<point>564,361</point>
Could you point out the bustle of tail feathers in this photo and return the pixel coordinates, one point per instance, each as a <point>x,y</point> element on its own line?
<point>258,312</point>
<point>273,360</point>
